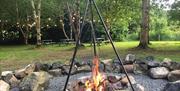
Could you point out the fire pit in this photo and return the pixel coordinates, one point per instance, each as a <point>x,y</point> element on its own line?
<point>99,81</point>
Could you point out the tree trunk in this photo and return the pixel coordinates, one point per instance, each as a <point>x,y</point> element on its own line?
<point>144,34</point>
<point>71,22</point>
<point>37,18</point>
<point>77,21</point>
<point>19,24</point>
<point>62,25</point>
<point>38,29</point>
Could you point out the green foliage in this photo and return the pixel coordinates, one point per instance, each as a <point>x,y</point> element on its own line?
<point>174,13</point>
<point>132,37</point>
<point>165,35</point>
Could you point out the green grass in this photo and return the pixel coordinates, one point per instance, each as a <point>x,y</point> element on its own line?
<point>14,57</point>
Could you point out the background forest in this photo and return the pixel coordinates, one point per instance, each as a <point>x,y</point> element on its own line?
<point>123,18</point>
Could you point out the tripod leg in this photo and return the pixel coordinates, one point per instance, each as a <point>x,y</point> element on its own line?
<point>76,47</point>
<point>92,29</point>
<point>111,41</point>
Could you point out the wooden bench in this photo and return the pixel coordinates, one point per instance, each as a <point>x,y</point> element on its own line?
<point>47,42</point>
<point>99,41</point>
<point>67,41</point>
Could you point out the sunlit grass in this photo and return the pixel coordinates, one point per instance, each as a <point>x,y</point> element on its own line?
<point>13,57</point>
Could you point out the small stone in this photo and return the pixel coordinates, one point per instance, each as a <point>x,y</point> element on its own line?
<point>153,64</point>
<point>130,58</point>
<point>20,73</point>
<point>166,62</point>
<point>65,69</point>
<point>55,72</point>
<point>159,72</point>
<point>102,67</point>
<point>112,79</point>
<point>41,67</point>
<point>37,81</point>
<point>172,86</point>
<point>107,61</point>
<point>26,71</point>
<point>174,66</point>
<point>129,68</point>
<point>11,80</point>
<point>174,75</point>
<point>4,73</point>
<point>84,68</point>
<point>125,81</point>
<point>116,66</point>
<point>140,68</point>
<point>4,86</point>
<point>56,65</point>
<point>106,65</point>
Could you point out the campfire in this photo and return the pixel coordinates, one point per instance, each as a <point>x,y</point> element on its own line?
<point>97,80</point>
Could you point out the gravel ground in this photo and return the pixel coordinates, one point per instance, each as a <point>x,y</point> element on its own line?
<point>57,83</point>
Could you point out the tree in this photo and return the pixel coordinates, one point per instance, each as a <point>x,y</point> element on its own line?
<point>144,34</point>
<point>36,5</point>
<point>174,12</point>
<point>158,17</point>
<point>116,16</point>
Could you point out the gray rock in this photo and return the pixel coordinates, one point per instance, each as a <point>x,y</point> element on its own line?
<point>129,68</point>
<point>130,58</point>
<point>174,66</point>
<point>108,68</point>
<point>4,73</point>
<point>116,67</point>
<point>55,72</point>
<point>106,65</point>
<point>158,72</point>
<point>4,86</point>
<point>166,62</point>
<point>174,75</point>
<point>153,64</point>
<point>84,68</point>
<point>25,71</point>
<point>65,69</point>
<point>56,65</point>
<point>11,80</point>
<point>37,81</point>
<point>172,86</point>
<point>41,67</point>
<point>125,82</point>
<point>107,61</point>
<point>102,67</point>
<point>140,68</point>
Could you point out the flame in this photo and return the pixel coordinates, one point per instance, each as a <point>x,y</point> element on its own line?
<point>96,83</point>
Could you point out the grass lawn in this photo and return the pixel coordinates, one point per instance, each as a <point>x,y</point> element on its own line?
<point>14,57</point>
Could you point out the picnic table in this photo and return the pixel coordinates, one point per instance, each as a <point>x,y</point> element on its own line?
<point>47,42</point>
<point>100,41</point>
<point>67,41</point>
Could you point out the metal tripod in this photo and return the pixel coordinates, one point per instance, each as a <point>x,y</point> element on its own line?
<point>89,4</point>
